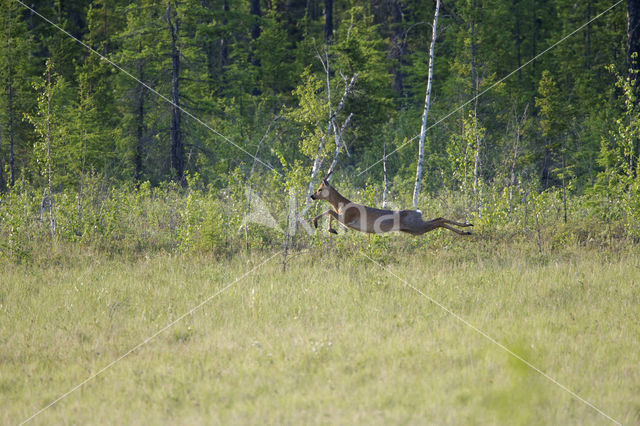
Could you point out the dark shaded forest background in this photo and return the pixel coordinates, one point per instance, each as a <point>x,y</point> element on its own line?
<point>265,77</point>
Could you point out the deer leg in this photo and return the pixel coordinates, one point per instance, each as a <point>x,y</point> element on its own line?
<point>451,222</point>
<point>426,226</point>
<point>315,219</point>
<point>332,215</point>
<point>457,231</point>
<point>441,222</point>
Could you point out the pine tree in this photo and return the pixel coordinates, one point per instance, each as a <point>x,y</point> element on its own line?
<point>15,72</point>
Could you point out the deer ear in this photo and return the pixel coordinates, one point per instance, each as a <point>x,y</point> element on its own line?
<point>325,180</point>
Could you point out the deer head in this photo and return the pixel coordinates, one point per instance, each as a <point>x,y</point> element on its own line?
<point>322,193</point>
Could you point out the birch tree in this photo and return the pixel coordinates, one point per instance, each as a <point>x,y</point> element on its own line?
<point>331,124</point>
<point>46,122</point>
<point>427,104</point>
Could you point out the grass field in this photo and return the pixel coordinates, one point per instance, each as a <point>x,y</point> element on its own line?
<point>334,339</point>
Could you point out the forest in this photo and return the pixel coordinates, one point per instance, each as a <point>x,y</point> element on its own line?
<point>104,99</point>
<point>158,260</point>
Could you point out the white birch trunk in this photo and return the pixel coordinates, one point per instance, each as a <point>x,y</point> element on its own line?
<point>52,222</point>
<point>384,169</point>
<point>316,167</point>
<point>476,172</point>
<point>337,134</point>
<point>427,102</point>
<point>318,160</point>
<point>475,84</point>
<point>512,181</point>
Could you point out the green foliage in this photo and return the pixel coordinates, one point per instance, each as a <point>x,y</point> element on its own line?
<point>616,193</point>
<point>461,153</point>
<point>49,122</point>
<point>549,106</point>
<point>267,95</point>
<point>312,112</point>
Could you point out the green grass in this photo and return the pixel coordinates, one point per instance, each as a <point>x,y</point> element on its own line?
<point>334,339</point>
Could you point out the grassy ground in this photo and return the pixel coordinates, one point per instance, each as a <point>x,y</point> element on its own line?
<point>334,339</point>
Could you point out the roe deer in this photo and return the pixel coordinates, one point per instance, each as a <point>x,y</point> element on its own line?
<point>377,221</point>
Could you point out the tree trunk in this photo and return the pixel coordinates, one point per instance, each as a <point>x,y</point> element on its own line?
<point>385,187</point>
<point>254,10</point>
<point>512,180</point>
<point>209,47</point>
<point>587,39</point>
<point>633,44</point>
<point>10,110</point>
<point>518,38</point>
<point>80,195</point>
<point>534,52</point>
<point>427,103</point>
<point>544,176</point>
<point>398,46</point>
<point>337,137</point>
<point>12,176</point>
<point>255,33</point>
<point>176,156</point>
<point>2,184</point>
<point>139,126</point>
<point>311,10</point>
<point>316,167</point>
<point>337,134</point>
<point>49,167</point>
<point>475,83</point>
<point>223,54</point>
<point>477,170</point>
<point>518,127</point>
<point>331,125</point>
<point>564,187</point>
<point>328,20</point>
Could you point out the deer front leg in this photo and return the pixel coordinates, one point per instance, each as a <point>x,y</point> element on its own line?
<point>315,219</point>
<point>332,215</point>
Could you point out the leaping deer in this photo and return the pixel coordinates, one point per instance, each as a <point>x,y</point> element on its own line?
<point>377,221</point>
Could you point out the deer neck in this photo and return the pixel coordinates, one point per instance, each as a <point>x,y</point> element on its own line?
<point>337,200</point>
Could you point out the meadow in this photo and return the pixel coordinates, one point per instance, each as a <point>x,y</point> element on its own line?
<point>336,337</point>
<point>155,166</point>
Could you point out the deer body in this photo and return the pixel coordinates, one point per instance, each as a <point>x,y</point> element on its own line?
<point>377,221</point>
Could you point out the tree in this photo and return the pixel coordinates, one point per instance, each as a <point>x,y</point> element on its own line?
<point>328,21</point>
<point>14,72</point>
<point>633,44</point>
<point>177,149</point>
<point>47,122</point>
<point>553,123</point>
<point>427,104</point>
<point>137,43</point>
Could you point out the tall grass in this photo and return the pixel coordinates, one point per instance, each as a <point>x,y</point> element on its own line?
<point>333,339</point>
<point>137,220</point>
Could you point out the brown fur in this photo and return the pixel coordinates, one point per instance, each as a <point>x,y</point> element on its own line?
<point>377,221</point>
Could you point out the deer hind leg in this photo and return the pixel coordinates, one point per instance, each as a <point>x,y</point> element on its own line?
<point>441,222</point>
<point>451,222</point>
<point>457,231</point>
